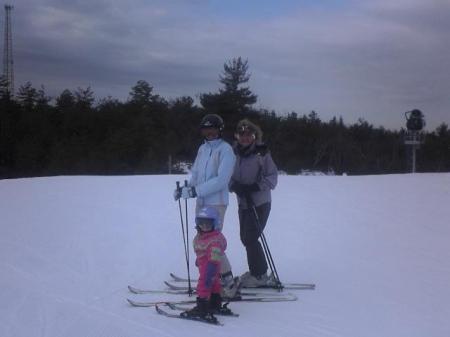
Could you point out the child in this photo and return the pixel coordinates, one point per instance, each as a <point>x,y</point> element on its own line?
<point>209,246</point>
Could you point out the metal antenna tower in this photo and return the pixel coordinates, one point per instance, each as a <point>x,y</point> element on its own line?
<point>8,70</point>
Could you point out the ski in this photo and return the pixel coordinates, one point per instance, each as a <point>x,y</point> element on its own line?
<point>285,298</point>
<point>177,278</point>
<point>138,291</point>
<point>152,304</point>
<point>224,311</point>
<point>185,290</point>
<point>182,290</point>
<point>175,287</point>
<point>208,319</point>
<point>289,286</point>
<point>243,289</point>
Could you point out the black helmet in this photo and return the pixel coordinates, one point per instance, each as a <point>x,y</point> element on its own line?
<point>212,121</point>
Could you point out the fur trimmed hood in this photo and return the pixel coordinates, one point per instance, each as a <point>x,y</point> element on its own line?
<point>246,124</point>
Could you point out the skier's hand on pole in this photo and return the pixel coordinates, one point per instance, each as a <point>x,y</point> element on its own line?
<point>188,192</point>
<point>177,192</point>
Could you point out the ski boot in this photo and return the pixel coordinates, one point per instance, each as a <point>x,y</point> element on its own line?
<point>216,307</point>
<point>201,311</point>
<point>252,281</point>
<point>231,288</point>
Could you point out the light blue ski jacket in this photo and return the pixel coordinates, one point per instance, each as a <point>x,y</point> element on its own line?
<point>211,172</point>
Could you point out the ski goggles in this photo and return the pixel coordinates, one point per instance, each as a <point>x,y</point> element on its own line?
<point>245,132</point>
<point>204,223</point>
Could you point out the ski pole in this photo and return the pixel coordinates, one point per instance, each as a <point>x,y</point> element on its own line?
<point>271,262</point>
<point>185,242</point>
<point>265,244</point>
<point>268,253</point>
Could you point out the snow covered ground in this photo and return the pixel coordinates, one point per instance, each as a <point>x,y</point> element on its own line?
<point>376,246</point>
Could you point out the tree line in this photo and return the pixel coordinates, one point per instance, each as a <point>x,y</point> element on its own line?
<point>75,134</point>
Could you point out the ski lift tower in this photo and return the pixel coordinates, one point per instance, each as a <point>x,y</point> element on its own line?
<point>415,122</point>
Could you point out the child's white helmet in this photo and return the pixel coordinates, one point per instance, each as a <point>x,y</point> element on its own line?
<point>207,213</point>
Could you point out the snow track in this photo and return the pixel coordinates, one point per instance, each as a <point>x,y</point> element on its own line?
<point>376,246</point>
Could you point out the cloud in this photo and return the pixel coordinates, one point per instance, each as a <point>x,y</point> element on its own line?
<point>363,63</point>
<point>366,59</point>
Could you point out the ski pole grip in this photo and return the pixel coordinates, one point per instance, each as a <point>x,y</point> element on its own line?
<point>178,185</point>
<point>185,183</point>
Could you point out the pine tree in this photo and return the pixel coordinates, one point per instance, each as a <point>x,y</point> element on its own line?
<point>234,98</point>
<point>142,94</point>
<point>65,100</point>
<point>4,92</point>
<point>27,96</point>
<point>84,98</point>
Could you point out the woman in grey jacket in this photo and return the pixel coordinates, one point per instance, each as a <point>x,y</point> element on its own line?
<point>255,175</point>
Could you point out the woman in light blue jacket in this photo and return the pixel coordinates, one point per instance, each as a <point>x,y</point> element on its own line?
<point>211,172</point>
<point>210,176</point>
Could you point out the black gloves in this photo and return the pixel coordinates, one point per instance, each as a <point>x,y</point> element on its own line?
<point>243,190</point>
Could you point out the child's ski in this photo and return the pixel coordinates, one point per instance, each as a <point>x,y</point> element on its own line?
<point>210,319</point>
<point>224,311</point>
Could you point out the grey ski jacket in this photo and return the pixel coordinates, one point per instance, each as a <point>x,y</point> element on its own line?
<point>255,165</point>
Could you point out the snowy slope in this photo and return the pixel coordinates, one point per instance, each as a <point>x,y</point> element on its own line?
<point>376,246</point>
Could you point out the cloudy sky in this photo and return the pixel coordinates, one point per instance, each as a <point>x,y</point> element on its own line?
<point>370,59</point>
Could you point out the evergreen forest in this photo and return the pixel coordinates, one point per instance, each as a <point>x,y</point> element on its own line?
<point>76,134</point>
